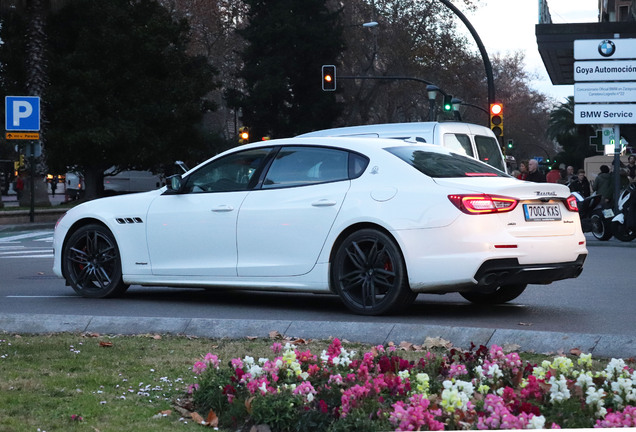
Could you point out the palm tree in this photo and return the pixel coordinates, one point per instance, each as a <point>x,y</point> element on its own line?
<point>573,138</point>
<point>35,60</point>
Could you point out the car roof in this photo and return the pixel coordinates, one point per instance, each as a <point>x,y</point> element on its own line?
<point>391,130</point>
<point>359,144</point>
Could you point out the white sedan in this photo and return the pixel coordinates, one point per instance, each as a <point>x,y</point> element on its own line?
<point>375,221</point>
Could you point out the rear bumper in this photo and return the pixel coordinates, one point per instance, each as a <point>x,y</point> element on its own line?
<point>508,271</point>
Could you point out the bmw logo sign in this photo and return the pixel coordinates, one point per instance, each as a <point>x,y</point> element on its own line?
<point>606,48</point>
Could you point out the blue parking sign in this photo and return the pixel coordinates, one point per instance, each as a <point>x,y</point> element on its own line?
<point>22,113</point>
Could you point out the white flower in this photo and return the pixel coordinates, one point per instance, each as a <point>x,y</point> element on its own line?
<point>585,380</point>
<point>536,422</point>
<point>615,368</point>
<point>494,372</point>
<point>559,389</point>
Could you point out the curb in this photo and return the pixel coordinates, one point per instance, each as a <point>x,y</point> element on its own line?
<point>541,342</point>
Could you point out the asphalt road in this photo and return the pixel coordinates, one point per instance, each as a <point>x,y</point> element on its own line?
<point>593,313</point>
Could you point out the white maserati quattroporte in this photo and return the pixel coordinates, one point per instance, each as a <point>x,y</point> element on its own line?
<point>375,221</point>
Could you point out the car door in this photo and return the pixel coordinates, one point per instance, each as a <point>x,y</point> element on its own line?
<point>283,225</point>
<point>193,233</point>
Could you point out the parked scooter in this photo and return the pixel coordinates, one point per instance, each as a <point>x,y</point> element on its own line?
<point>624,223</point>
<point>594,218</point>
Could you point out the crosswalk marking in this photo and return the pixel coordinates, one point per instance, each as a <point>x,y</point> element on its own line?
<point>11,246</point>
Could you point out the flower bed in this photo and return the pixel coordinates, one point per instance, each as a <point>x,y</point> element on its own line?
<point>379,390</point>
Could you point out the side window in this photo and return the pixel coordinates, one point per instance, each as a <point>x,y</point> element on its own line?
<point>459,143</point>
<point>231,173</point>
<point>357,165</point>
<point>489,151</point>
<point>299,166</point>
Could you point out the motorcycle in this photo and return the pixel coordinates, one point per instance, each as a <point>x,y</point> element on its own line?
<point>594,218</point>
<point>624,222</point>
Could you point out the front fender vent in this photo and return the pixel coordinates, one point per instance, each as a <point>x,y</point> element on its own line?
<point>129,220</point>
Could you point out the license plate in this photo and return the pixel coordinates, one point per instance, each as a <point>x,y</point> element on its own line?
<point>542,212</point>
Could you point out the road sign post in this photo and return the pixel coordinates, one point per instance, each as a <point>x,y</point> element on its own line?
<point>22,121</point>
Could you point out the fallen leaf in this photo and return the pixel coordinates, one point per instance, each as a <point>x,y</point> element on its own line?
<point>576,351</point>
<point>274,334</point>
<point>157,337</point>
<point>212,420</point>
<point>509,347</point>
<point>165,412</point>
<point>406,346</point>
<point>104,344</point>
<point>248,404</point>
<point>437,342</point>
<point>197,418</point>
<point>251,337</point>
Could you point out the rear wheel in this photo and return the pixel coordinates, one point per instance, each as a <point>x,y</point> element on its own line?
<point>622,232</point>
<point>369,274</point>
<point>503,294</point>
<point>92,264</point>
<point>601,227</point>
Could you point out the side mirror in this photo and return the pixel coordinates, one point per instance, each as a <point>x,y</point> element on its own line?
<point>174,183</point>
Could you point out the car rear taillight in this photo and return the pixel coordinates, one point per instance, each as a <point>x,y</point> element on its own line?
<point>571,204</point>
<point>482,204</point>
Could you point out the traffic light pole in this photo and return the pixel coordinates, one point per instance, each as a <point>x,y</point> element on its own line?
<point>482,50</point>
<point>393,78</point>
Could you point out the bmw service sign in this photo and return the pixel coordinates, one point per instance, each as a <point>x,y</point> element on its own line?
<point>22,113</point>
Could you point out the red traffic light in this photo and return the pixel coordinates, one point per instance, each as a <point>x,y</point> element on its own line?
<point>496,118</point>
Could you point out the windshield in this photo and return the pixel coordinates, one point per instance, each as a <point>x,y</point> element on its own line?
<point>441,165</point>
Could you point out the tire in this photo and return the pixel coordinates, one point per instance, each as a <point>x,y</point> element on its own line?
<point>92,264</point>
<point>503,294</point>
<point>601,227</point>
<point>369,274</point>
<point>623,233</point>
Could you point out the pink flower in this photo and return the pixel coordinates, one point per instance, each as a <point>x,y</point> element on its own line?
<point>211,359</point>
<point>276,347</point>
<point>199,367</point>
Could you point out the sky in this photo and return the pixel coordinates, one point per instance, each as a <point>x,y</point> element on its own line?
<point>506,26</point>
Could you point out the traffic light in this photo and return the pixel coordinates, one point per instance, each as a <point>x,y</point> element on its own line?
<point>510,144</point>
<point>448,103</point>
<point>496,118</point>
<point>328,78</point>
<point>244,135</point>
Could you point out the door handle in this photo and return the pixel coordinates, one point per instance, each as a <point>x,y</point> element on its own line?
<point>223,208</point>
<point>323,203</point>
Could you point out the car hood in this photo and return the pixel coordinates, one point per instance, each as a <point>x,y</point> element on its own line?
<point>129,203</point>
<point>505,186</point>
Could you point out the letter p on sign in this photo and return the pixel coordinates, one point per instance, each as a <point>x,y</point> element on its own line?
<point>22,113</point>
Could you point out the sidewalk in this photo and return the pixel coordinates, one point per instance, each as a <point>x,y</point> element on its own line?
<point>12,200</point>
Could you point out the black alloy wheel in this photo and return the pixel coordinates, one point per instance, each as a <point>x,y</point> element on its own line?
<point>369,274</point>
<point>92,264</point>
<point>503,294</point>
<point>601,227</point>
<point>622,232</point>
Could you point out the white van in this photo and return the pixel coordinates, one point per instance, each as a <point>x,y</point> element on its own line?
<point>465,138</point>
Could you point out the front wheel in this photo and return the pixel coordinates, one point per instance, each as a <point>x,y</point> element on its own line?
<point>601,226</point>
<point>622,232</point>
<point>91,262</point>
<point>503,294</point>
<point>369,274</point>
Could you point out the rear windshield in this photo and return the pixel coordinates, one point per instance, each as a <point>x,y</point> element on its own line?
<point>440,165</point>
